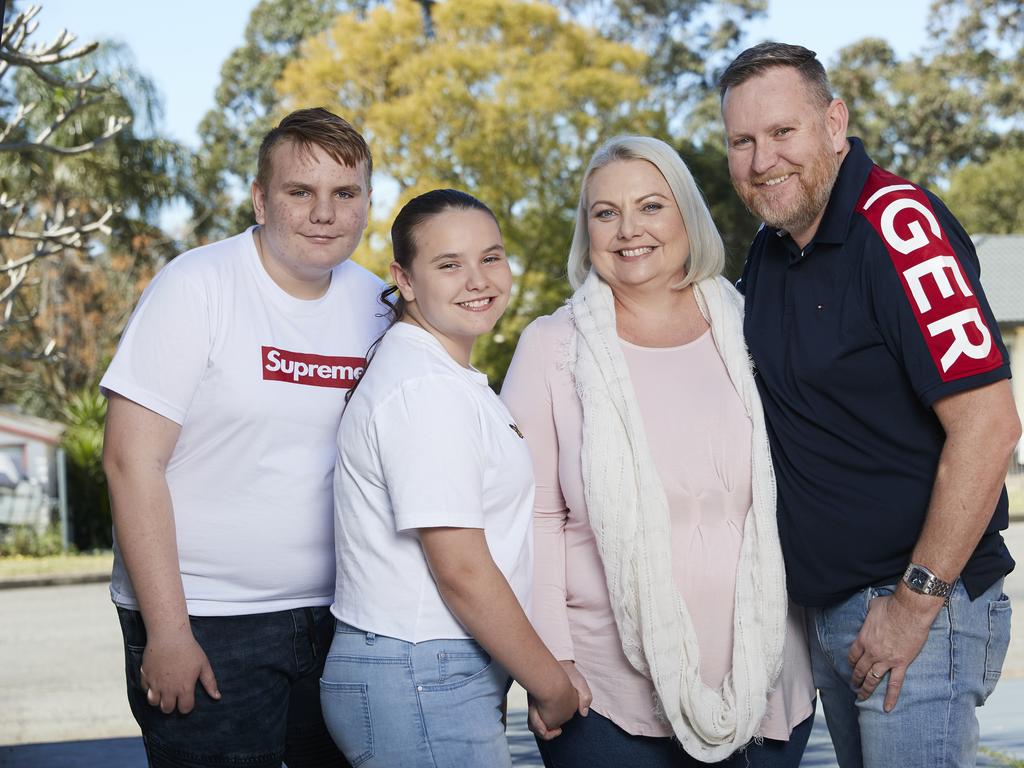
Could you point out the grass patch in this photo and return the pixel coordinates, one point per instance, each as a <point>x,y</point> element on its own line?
<point>21,565</point>
<point>1001,758</point>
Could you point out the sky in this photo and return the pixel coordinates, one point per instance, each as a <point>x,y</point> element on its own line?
<point>181,45</point>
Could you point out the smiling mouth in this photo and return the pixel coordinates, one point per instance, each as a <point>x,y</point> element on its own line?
<point>773,182</point>
<point>477,305</point>
<point>632,253</point>
<point>322,238</point>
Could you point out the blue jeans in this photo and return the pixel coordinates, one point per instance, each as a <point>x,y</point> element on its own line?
<point>267,667</point>
<point>393,704</point>
<point>595,741</point>
<point>934,722</point>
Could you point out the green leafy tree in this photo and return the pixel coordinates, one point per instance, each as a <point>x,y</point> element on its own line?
<point>981,45</point>
<point>687,41</point>
<point>953,104</point>
<point>506,100</point>
<point>710,169</point>
<point>245,108</point>
<point>915,117</point>
<point>81,174</point>
<point>988,198</point>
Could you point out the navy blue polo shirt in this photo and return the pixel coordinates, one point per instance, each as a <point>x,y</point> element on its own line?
<point>854,338</point>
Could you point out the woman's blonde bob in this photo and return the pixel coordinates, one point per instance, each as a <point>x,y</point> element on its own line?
<point>707,253</point>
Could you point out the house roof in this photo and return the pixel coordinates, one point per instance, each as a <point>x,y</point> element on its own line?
<point>1002,274</point>
<point>14,423</point>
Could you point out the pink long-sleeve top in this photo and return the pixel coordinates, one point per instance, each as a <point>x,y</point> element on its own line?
<point>700,438</point>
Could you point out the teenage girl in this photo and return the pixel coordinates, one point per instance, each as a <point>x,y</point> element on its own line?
<point>433,497</point>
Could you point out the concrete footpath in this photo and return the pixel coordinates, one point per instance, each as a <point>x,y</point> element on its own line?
<point>62,702</point>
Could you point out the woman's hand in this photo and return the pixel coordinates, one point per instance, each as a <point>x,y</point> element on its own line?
<point>580,684</point>
<point>548,712</point>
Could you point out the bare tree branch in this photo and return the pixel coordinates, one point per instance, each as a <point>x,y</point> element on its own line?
<point>60,230</point>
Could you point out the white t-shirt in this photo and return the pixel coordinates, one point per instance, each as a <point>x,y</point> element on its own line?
<point>424,443</point>
<point>257,380</point>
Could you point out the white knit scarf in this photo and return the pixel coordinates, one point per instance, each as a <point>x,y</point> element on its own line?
<point>629,514</point>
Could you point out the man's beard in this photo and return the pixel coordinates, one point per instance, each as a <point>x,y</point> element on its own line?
<point>816,181</point>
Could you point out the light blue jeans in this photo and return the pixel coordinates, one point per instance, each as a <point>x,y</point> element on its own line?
<point>393,704</point>
<point>934,723</point>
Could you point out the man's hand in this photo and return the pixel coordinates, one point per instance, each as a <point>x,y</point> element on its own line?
<point>170,667</point>
<point>894,632</point>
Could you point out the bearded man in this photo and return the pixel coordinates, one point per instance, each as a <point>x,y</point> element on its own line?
<point>890,417</point>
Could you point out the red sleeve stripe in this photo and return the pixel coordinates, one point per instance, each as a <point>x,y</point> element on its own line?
<point>947,311</point>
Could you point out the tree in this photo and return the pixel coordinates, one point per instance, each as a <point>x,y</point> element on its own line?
<point>245,108</point>
<point>981,43</point>
<point>507,100</point>
<point>915,117</point>
<point>77,185</point>
<point>954,104</point>
<point>26,138</point>
<point>988,198</point>
<point>710,168</point>
<point>687,41</point>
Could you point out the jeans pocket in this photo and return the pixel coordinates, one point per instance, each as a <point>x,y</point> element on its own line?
<point>458,668</point>
<point>346,708</point>
<point>998,641</point>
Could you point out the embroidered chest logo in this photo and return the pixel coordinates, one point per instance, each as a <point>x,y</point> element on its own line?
<point>311,370</point>
<point>946,309</point>
<point>516,430</point>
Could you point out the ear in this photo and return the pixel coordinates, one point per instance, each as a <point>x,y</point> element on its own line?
<point>368,207</point>
<point>837,120</point>
<point>259,203</point>
<point>401,278</point>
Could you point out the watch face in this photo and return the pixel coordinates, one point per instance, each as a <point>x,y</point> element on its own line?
<point>917,578</point>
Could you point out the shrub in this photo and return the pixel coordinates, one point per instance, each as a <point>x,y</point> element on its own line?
<point>88,502</point>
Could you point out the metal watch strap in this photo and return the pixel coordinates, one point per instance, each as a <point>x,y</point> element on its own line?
<point>921,580</point>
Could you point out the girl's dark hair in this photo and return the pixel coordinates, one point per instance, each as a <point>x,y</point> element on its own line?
<point>410,218</point>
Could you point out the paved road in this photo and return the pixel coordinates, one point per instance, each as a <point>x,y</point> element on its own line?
<point>62,699</point>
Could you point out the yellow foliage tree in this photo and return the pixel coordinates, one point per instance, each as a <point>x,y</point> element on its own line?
<point>502,98</point>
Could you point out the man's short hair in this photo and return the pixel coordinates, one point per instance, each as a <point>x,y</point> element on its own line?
<point>765,56</point>
<point>306,127</point>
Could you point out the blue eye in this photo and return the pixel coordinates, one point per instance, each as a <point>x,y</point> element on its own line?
<point>607,213</point>
<point>653,207</point>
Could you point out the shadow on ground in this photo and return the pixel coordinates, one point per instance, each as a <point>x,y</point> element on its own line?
<point>115,753</point>
<point>1002,734</point>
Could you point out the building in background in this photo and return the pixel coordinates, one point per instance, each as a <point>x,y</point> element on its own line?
<point>29,455</point>
<point>1002,275</point>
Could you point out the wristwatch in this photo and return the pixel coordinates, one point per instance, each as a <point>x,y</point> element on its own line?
<point>923,581</point>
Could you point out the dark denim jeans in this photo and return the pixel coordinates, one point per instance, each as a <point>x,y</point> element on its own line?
<point>596,742</point>
<point>268,669</point>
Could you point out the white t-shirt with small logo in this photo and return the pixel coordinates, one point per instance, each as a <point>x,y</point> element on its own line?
<point>424,443</point>
<point>257,380</point>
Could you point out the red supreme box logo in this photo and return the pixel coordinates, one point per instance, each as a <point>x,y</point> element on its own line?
<point>311,370</point>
